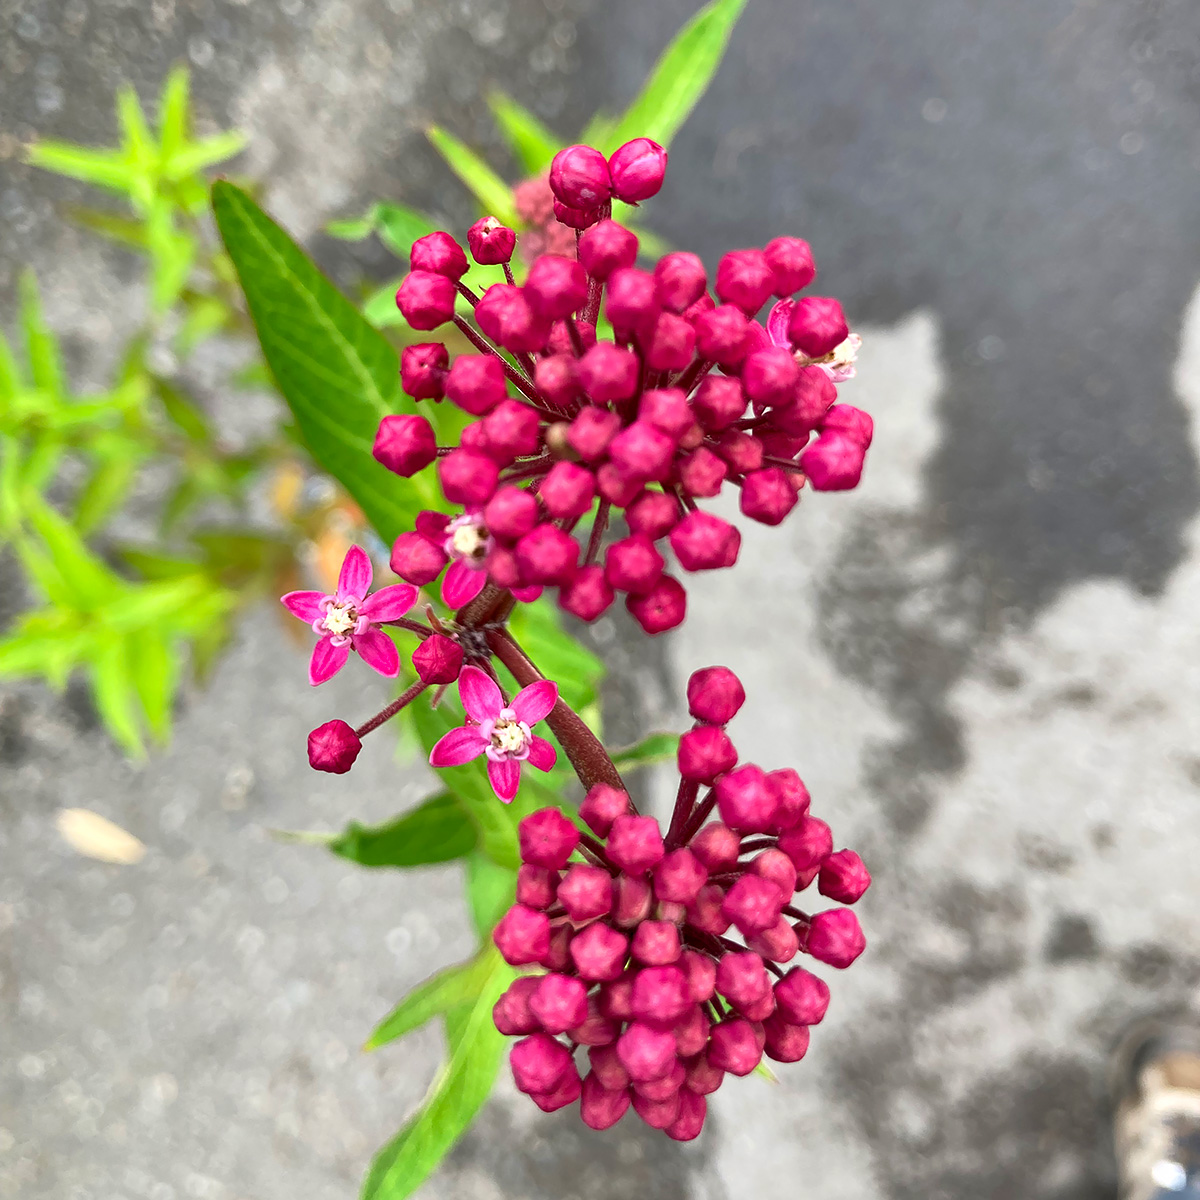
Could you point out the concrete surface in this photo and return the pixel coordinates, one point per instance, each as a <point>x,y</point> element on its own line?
<point>982,662</point>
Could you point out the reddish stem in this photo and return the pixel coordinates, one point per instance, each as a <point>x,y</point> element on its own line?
<point>685,799</point>
<point>405,697</point>
<point>598,527</point>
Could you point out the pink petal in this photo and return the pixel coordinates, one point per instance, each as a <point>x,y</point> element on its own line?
<point>378,651</point>
<point>527,595</point>
<point>389,602</point>
<point>327,660</point>
<point>355,578</point>
<point>777,322</point>
<point>541,754</point>
<point>506,777</point>
<point>481,699</point>
<point>461,584</point>
<point>432,525</point>
<point>459,746</point>
<point>534,702</point>
<point>305,605</point>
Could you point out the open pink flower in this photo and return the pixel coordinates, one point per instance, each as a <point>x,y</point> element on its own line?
<point>349,619</point>
<point>838,364</point>
<point>503,734</point>
<point>467,543</point>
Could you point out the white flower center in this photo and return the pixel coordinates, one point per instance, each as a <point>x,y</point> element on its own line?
<point>509,737</point>
<point>341,618</point>
<point>468,541</point>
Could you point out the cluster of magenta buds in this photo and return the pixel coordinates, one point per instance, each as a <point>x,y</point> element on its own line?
<point>642,979</point>
<point>578,421</point>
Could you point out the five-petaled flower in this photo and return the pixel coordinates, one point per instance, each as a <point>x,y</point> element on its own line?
<point>500,731</point>
<point>349,619</point>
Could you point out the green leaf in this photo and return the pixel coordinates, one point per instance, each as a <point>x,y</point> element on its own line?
<point>109,169</point>
<point>154,665</point>
<point>457,1094</point>
<point>491,890</point>
<point>105,490</point>
<point>530,140</point>
<point>598,131</point>
<point>488,188</point>
<point>206,153</point>
<point>116,695</point>
<point>456,985</point>
<point>182,411</point>
<point>339,375</point>
<point>125,231</point>
<point>680,77</point>
<point>41,347</point>
<point>437,831</point>
<point>399,226</point>
<point>380,307</point>
<point>81,580</point>
<point>173,111</point>
<point>655,748</point>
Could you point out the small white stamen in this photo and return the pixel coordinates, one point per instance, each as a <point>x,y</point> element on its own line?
<point>509,737</point>
<point>468,541</point>
<point>341,618</point>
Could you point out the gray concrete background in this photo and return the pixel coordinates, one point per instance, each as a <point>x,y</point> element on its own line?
<point>983,661</point>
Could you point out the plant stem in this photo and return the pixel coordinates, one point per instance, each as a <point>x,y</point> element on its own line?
<point>405,697</point>
<point>685,799</point>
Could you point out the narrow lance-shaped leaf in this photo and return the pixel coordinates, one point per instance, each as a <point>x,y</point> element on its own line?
<point>339,375</point>
<point>680,76</point>
<point>437,831</point>
<point>654,748</point>
<point>531,141</point>
<point>41,347</point>
<point>488,188</point>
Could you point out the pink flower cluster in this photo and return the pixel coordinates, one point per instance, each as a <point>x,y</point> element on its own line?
<point>632,927</point>
<point>689,393</point>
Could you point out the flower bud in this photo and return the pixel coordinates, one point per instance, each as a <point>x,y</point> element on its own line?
<point>579,177</point>
<point>599,952</point>
<point>658,1114</point>
<point>575,218</point>
<point>511,429</point>
<point>439,253</point>
<point>423,370</point>
<point>522,936</point>
<point>503,569</point>
<point>617,487</point>
<point>660,997</point>
<point>646,1053</point>
<point>588,595</point>
<point>609,373</point>
<point>791,797</point>
<point>547,838</point>
<point>780,944</point>
<point>770,376</point>
<point>559,1002</point>
<point>633,564</point>
<point>602,806</point>
<point>656,943</point>
<point>586,892</point>
<point>701,974</point>
<point>741,978</point>
<point>540,1063</point>
<point>850,421</point>
<point>785,1042</point>
<point>834,462</point>
<point>634,900</point>
<point>661,608</point>
<point>705,753</point>
<point>801,997</point>
<point>592,430</point>
<point>416,559</point>
<point>607,247</point>
<point>679,877</point>
<point>536,886</point>
<point>812,397</point>
<point>333,747</point>
<point>791,263</point>
<point>742,451</point>
<point>547,555</point>
<point>745,801</point>
<point>768,496</point>
<point>630,302</point>
<point>718,402</point>
<point>601,1107</point>
<point>780,445</point>
<point>843,877</point>
<point>679,280</point>
<point>817,325</point>
<point>642,451</point>
<point>635,844</point>
<point>703,542</point>
<point>717,847</point>
<point>744,278</point>
<point>595,1029</point>
<point>567,490</point>
<point>511,513</point>
<point>753,904</point>
<point>702,473</point>
<point>658,1090</point>
<point>511,1014</point>
<point>561,342</point>
<point>702,1077</point>
<point>556,286</point>
<point>670,343</point>
<point>557,378</point>
<point>426,300</point>
<point>491,243</point>
<point>558,956</point>
<point>438,659</point>
<point>667,410</point>
<point>606,1064</point>
<point>637,170</point>
<point>652,514</point>
<point>807,844</point>
<point>722,335</point>
<point>476,383</point>
<point>693,1109</point>
<point>733,1047</point>
<point>706,912</point>
<point>405,444</point>
<point>775,865</point>
<point>566,1093</point>
<point>835,937</point>
<point>468,477</point>
<point>505,315</point>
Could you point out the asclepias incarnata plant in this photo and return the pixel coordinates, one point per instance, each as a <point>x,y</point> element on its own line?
<point>602,405</point>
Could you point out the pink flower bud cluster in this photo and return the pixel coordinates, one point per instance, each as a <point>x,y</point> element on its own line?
<point>691,393</point>
<point>647,997</point>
